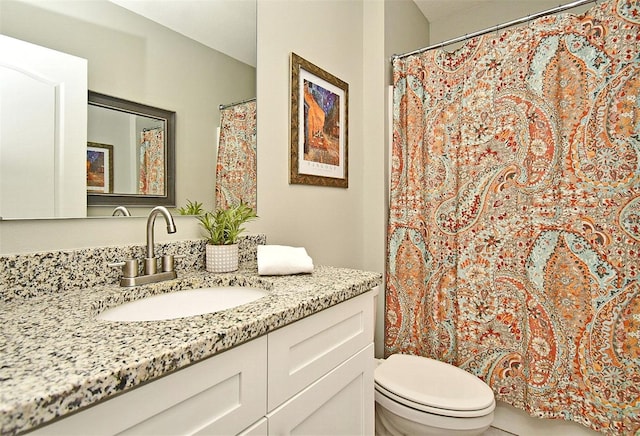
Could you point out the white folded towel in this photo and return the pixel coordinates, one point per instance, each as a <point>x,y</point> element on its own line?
<point>277,260</point>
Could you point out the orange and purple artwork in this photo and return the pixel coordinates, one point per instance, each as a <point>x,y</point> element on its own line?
<point>95,170</point>
<point>321,124</point>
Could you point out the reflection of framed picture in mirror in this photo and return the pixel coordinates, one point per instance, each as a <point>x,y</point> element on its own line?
<point>99,167</point>
<point>143,139</point>
<point>319,105</point>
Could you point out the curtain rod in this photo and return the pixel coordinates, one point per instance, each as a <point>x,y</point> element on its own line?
<point>225,106</point>
<point>496,28</point>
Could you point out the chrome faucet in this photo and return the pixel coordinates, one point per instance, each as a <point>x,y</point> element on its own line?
<point>122,210</point>
<point>150,273</point>
<point>150,261</point>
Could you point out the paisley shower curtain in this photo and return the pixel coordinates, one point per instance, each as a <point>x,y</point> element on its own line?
<point>151,168</point>
<point>236,178</point>
<point>514,229</point>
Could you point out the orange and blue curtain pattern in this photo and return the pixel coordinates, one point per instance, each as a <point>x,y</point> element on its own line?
<point>236,169</point>
<point>151,172</point>
<point>514,231</point>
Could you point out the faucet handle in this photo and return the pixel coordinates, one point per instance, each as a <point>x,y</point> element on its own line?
<point>129,267</point>
<point>168,261</point>
<point>150,265</point>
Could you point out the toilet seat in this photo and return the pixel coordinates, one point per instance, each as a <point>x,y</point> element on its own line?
<point>434,387</point>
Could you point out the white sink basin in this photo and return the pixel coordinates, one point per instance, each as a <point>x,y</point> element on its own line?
<point>180,304</point>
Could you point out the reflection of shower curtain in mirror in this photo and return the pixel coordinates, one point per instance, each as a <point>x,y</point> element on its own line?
<point>236,178</point>
<point>151,170</point>
<point>514,227</point>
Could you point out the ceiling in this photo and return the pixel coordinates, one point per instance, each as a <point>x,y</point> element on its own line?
<point>437,9</point>
<point>229,26</point>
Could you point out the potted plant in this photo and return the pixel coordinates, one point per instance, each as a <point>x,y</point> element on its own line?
<point>222,229</point>
<point>192,208</point>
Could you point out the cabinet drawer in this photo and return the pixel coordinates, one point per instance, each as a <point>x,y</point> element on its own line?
<point>303,352</point>
<point>219,395</point>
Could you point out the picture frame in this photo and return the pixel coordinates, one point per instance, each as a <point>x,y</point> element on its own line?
<point>99,168</point>
<point>319,126</point>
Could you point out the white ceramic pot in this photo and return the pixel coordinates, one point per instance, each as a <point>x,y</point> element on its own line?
<point>221,258</point>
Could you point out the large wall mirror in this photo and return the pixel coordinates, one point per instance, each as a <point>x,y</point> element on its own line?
<point>130,153</point>
<point>175,66</point>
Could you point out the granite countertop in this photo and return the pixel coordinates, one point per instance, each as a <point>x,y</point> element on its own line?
<point>56,357</point>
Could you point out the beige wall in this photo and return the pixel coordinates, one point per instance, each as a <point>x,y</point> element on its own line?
<point>342,227</point>
<point>487,15</point>
<point>327,221</point>
<point>337,226</point>
<point>406,29</point>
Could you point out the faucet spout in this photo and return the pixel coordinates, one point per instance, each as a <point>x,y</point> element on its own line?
<point>171,228</point>
<point>122,210</point>
<point>150,266</point>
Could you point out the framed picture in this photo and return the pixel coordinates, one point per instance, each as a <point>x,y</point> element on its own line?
<point>99,168</point>
<point>319,104</point>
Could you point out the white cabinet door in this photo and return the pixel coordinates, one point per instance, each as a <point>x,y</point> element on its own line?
<point>340,403</point>
<point>257,429</point>
<point>221,395</point>
<point>304,351</point>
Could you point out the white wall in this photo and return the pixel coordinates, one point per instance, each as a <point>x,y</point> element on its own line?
<point>342,227</point>
<point>28,236</point>
<point>489,14</point>
<point>327,221</point>
<point>346,38</point>
<point>115,128</point>
<point>406,29</point>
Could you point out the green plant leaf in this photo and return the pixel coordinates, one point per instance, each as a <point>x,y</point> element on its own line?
<point>224,226</point>
<point>192,208</point>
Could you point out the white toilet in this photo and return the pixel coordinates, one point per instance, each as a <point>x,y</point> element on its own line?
<point>417,396</point>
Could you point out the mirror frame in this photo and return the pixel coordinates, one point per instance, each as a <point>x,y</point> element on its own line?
<point>169,199</point>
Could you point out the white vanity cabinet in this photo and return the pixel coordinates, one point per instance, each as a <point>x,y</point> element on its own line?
<point>223,394</point>
<point>340,403</point>
<point>321,372</point>
<point>314,376</point>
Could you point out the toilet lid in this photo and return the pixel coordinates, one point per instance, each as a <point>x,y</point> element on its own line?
<point>434,384</point>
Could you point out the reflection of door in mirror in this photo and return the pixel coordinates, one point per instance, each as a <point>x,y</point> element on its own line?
<point>41,137</point>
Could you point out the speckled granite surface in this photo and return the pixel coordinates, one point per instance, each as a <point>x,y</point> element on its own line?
<point>27,275</point>
<point>57,357</point>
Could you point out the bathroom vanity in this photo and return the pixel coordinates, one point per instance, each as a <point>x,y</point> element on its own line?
<point>290,362</point>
